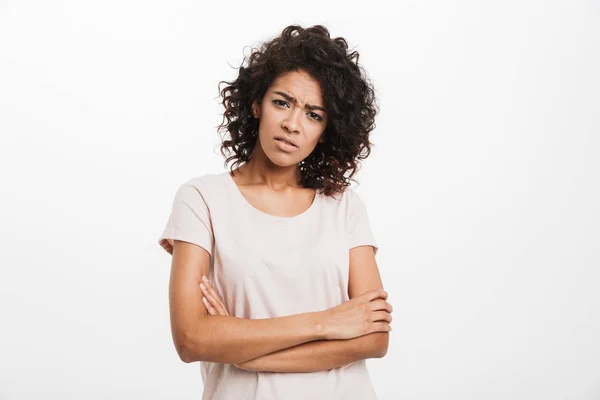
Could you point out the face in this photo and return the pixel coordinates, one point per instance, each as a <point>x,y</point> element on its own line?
<point>292,110</point>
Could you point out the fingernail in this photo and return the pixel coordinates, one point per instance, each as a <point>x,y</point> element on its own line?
<point>204,278</point>
<point>202,286</point>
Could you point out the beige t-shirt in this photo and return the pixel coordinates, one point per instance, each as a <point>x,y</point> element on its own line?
<point>265,266</point>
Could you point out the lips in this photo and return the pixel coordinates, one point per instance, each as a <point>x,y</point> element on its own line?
<point>286,140</point>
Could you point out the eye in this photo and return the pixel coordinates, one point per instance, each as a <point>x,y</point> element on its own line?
<point>280,103</point>
<point>312,115</point>
<point>315,116</point>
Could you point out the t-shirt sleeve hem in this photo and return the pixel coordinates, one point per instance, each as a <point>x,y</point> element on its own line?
<point>364,243</point>
<point>166,240</point>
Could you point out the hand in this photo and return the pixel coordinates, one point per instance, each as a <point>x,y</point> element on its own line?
<point>216,306</point>
<point>212,301</point>
<point>359,316</point>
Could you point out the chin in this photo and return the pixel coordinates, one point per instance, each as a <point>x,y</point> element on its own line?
<point>283,162</point>
<point>279,158</point>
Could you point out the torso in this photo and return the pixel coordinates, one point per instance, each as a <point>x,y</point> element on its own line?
<point>292,202</point>
<point>264,266</point>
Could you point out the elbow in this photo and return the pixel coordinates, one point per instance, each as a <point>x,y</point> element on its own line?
<point>195,345</point>
<point>380,344</point>
<point>185,355</point>
<point>186,347</point>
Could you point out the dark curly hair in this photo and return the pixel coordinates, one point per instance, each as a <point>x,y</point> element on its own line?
<point>348,94</point>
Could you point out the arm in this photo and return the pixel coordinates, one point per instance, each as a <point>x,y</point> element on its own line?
<point>223,338</point>
<point>327,354</point>
<point>318,356</point>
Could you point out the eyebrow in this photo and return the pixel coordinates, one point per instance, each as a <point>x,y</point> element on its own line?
<point>293,100</point>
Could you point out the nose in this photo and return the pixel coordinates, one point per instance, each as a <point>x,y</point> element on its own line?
<point>291,121</point>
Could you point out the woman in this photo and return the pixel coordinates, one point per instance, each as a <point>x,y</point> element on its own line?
<point>274,284</point>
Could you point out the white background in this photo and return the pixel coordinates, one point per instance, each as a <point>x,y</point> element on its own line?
<point>482,188</point>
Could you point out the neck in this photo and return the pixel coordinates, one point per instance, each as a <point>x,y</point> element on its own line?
<point>259,170</point>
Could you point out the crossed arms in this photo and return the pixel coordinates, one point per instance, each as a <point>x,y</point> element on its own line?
<point>295,343</point>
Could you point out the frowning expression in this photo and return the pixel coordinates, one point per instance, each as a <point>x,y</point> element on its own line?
<point>292,118</point>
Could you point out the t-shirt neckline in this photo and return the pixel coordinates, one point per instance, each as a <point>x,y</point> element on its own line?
<point>255,210</point>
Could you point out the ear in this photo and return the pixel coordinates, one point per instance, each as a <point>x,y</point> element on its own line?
<point>255,109</point>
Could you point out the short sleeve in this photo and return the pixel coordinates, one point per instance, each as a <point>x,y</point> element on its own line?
<point>359,225</point>
<point>189,220</point>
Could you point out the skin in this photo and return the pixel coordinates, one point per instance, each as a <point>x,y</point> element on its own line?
<point>270,182</point>
<point>355,330</point>
<point>322,355</point>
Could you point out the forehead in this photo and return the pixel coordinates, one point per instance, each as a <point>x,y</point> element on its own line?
<point>300,85</point>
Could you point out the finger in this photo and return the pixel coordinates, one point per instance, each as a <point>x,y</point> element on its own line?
<point>382,316</point>
<point>381,327</point>
<point>381,305</point>
<point>375,294</point>
<point>211,310</point>
<point>206,296</point>
<point>215,299</point>
<point>211,290</point>
<point>218,302</point>
<point>213,302</point>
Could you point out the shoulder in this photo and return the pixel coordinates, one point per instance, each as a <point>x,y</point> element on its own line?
<point>197,181</point>
<point>204,183</point>
<point>210,190</point>
<point>347,199</point>
<point>347,205</point>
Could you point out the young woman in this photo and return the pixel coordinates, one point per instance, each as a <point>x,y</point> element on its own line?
<point>274,285</point>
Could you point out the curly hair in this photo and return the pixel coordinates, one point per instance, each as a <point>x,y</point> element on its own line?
<point>348,95</point>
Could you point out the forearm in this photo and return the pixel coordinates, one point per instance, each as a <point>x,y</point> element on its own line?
<point>231,340</point>
<point>321,355</point>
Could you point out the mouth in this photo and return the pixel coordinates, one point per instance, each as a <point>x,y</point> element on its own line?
<point>286,141</point>
<point>285,145</point>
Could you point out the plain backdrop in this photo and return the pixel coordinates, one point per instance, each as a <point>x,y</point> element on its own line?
<point>482,188</point>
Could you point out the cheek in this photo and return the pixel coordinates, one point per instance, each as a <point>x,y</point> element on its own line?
<point>316,136</point>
